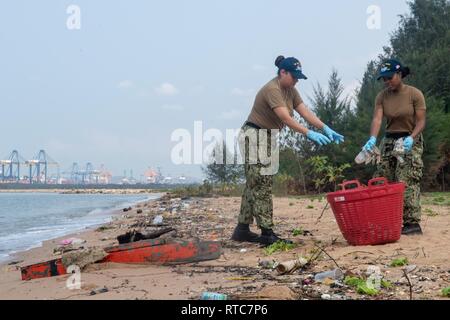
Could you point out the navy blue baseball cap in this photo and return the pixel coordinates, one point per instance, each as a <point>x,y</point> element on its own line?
<point>389,68</point>
<point>293,66</point>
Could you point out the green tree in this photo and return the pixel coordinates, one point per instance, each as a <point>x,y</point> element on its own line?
<point>223,168</point>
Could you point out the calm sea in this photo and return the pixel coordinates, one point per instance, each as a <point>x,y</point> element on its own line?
<point>27,219</point>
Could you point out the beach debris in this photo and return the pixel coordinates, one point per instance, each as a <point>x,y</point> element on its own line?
<point>267,264</point>
<point>43,270</point>
<point>158,220</point>
<point>399,150</point>
<point>213,296</point>
<point>104,228</point>
<point>373,156</point>
<point>325,296</point>
<point>164,252</point>
<point>73,241</point>
<point>335,274</point>
<point>410,268</point>
<point>12,263</point>
<point>243,250</point>
<point>69,244</point>
<point>139,211</point>
<point>291,265</point>
<point>126,209</point>
<point>99,290</point>
<point>133,236</point>
<point>83,258</point>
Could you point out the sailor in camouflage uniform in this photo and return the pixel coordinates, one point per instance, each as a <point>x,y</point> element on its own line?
<point>273,109</point>
<point>404,108</point>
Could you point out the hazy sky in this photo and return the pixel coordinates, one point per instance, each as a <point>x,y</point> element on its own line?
<point>113,91</point>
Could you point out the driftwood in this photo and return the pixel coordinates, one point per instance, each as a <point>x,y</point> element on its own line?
<point>133,236</point>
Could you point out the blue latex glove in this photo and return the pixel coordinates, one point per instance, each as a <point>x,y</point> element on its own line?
<point>370,144</point>
<point>333,135</point>
<point>318,138</point>
<point>408,144</point>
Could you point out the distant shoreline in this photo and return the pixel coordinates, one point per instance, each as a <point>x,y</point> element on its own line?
<point>83,191</point>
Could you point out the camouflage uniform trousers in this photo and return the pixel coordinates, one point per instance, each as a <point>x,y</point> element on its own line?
<point>409,172</point>
<point>257,196</point>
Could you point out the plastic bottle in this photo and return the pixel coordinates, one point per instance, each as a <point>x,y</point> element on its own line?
<point>213,296</point>
<point>158,219</point>
<point>335,274</point>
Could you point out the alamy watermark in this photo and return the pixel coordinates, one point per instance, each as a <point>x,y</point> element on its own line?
<point>73,21</point>
<point>374,20</point>
<point>74,281</point>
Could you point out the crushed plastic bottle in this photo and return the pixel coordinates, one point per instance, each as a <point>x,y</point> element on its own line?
<point>366,157</point>
<point>213,296</point>
<point>158,219</point>
<point>335,274</point>
<point>399,150</point>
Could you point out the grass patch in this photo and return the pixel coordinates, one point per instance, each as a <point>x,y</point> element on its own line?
<point>386,284</point>
<point>297,232</point>
<point>400,262</point>
<point>310,207</point>
<point>437,198</point>
<point>361,286</point>
<point>430,212</point>
<point>279,246</point>
<point>446,292</point>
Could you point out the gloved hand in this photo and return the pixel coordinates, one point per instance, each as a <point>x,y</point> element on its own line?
<point>408,143</point>
<point>318,138</point>
<point>333,135</point>
<point>370,144</point>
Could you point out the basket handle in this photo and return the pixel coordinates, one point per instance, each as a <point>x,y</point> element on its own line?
<point>372,182</point>
<point>350,183</point>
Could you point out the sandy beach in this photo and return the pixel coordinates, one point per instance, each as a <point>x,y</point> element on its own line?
<point>241,272</point>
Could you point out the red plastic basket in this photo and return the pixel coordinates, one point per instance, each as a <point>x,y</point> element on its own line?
<point>369,215</point>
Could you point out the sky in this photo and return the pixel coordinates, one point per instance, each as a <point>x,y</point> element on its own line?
<point>108,82</point>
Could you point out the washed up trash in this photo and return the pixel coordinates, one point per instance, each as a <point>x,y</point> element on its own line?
<point>158,219</point>
<point>399,150</point>
<point>335,274</point>
<point>133,236</point>
<point>69,244</point>
<point>73,241</point>
<point>158,251</point>
<point>410,268</point>
<point>326,296</point>
<point>97,291</point>
<point>83,258</point>
<point>163,251</point>
<point>213,296</point>
<point>243,250</point>
<point>366,156</point>
<point>290,266</point>
<point>266,264</point>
